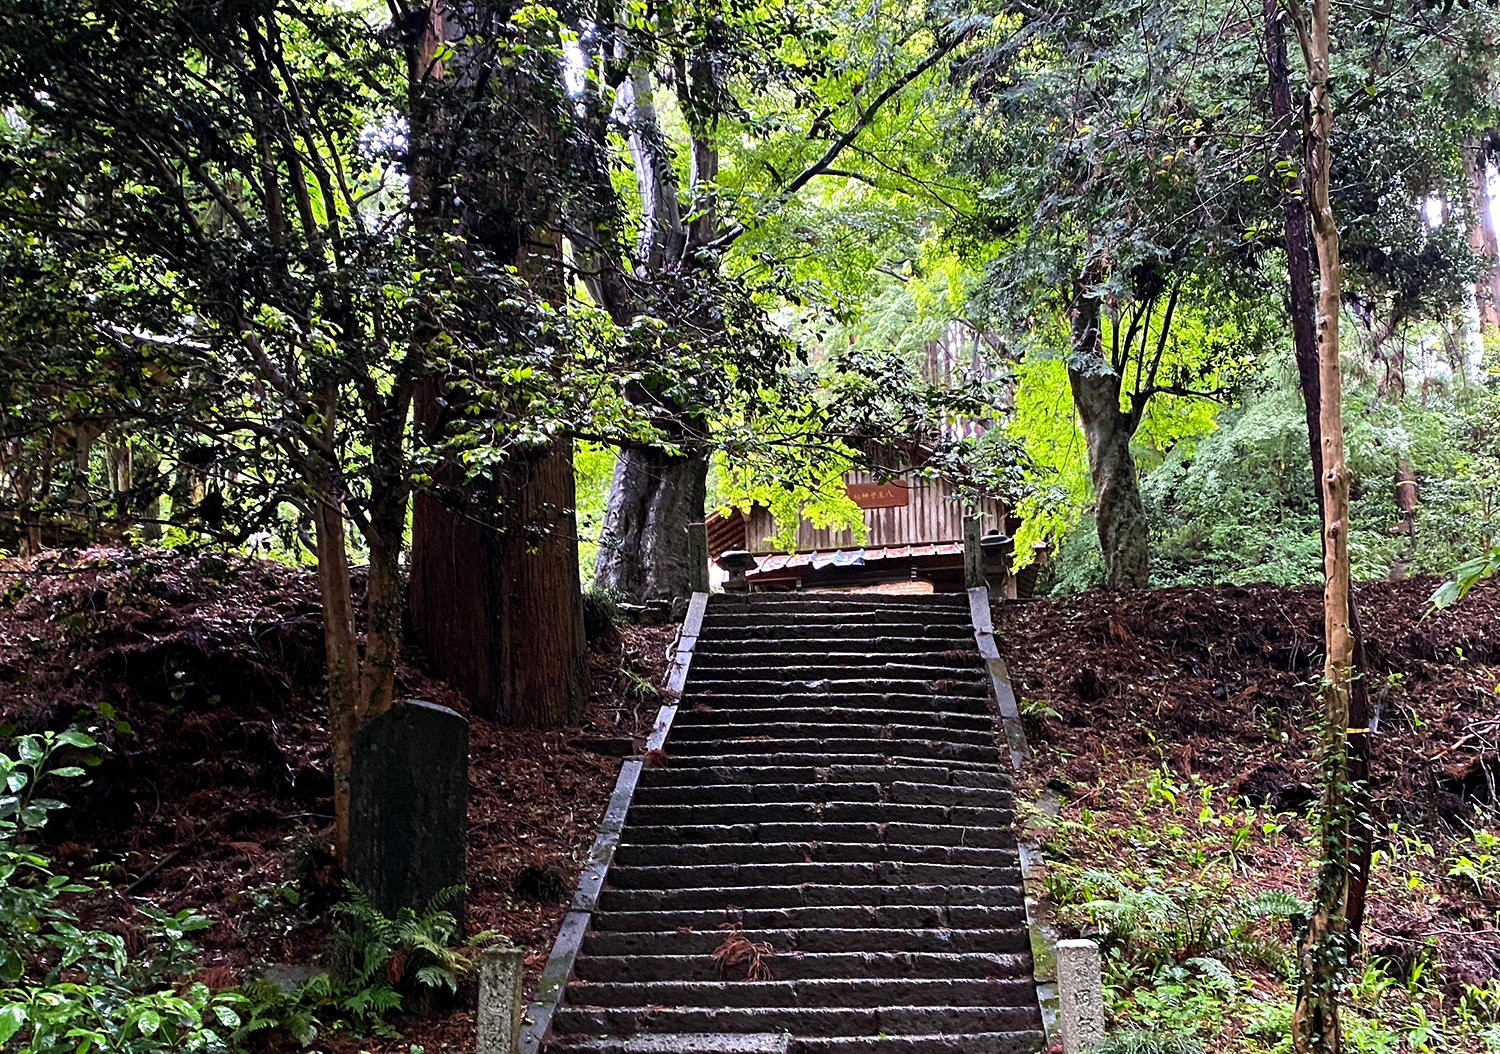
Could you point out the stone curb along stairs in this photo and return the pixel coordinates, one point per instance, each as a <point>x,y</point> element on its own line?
<point>832,788</point>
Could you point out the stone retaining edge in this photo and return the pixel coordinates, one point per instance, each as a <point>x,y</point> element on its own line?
<point>1043,938</point>
<point>559,968</point>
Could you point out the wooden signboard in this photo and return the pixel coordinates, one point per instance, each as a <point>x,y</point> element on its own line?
<point>891,495</point>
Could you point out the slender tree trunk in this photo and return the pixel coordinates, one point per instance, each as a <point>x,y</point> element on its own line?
<point>1325,949</point>
<point>1107,430</point>
<point>1303,309</point>
<point>643,550</point>
<point>341,650</point>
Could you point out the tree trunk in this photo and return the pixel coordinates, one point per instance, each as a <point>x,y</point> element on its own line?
<point>494,582</point>
<point>1325,948</point>
<point>643,547</point>
<point>1482,238</point>
<point>341,650</point>
<point>1303,310</point>
<point>1406,497</point>
<point>1107,430</point>
<point>542,650</point>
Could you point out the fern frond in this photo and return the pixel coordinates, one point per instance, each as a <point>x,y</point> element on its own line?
<point>437,977</point>
<point>1274,903</point>
<point>1214,969</point>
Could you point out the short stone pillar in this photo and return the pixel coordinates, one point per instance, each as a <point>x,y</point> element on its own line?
<point>500,1002</point>
<point>408,806</point>
<point>974,576</point>
<point>737,562</point>
<point>1080,995</point>
<point>697,555</point>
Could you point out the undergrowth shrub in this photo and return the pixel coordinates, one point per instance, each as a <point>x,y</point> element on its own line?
<point>67,989</point>
<point>375,965</point>
<point>71,989</point>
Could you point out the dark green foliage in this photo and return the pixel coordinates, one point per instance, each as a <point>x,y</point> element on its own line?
<point>601,612</point>
<point>375,963</point>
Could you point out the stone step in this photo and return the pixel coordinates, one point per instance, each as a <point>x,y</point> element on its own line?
<point>821,792</point>
<point>793,654</point>
<point>1030,1041</point>
<point>880,644</point>
<point>800,1021</point>
<point>856,873</point>
<point>713,713</point>
<point>729,732</point>
<point>747,793</point>
<point>914,834</point>
<point>656,854</point>
<point>935,917</point>
<point>843,993</point>
<point>858,614</point>
<point>804,753</point>
<point>724,698</point>
<point>805,679</point>
<point>833,599</point>
<point>810,895</point>
<point>827,812</point>
<point>885,775</point>
<point>803,966</point>
<point>1014,940</point>
<point>809,627</point>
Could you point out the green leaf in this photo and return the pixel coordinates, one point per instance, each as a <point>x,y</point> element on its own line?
<point>149,1022</point>
<point>12,1017</point>
<point>74,738</point>
<point>68,771</point>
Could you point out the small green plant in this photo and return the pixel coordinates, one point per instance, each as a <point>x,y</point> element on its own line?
<point>375,961</point>
<point>1477,861</point>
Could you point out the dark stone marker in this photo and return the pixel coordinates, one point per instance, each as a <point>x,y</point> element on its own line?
<point>408,806</point>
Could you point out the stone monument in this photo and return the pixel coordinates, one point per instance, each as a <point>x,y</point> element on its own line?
<point>408,806</point>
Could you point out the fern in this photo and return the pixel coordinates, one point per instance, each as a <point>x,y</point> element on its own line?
<point>1274,904</point>
<point>1214,969</point>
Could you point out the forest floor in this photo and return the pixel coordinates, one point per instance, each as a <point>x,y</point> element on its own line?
<point>203,677</point>
<point>1177,727</point>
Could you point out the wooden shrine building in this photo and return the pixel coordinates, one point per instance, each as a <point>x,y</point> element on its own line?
<point>913,534</point>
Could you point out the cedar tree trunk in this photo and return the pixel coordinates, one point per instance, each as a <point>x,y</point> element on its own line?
<point>1482,238</point>
<point>542,651</point>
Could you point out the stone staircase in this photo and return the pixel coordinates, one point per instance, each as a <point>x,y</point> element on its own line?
<point>833,788</point>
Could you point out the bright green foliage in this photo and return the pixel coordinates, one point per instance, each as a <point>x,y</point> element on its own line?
<point>69,989</point>
<point>593,469</point>
<point>1237,504</point>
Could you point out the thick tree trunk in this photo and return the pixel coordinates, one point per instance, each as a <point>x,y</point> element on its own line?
<point>1303,309</point>
<point>1482,238</point>
<point>542,650</point>
<point>1107,429</point>
<point>1326,946</point>
<point>494,583</point>
<point>643,547</point>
